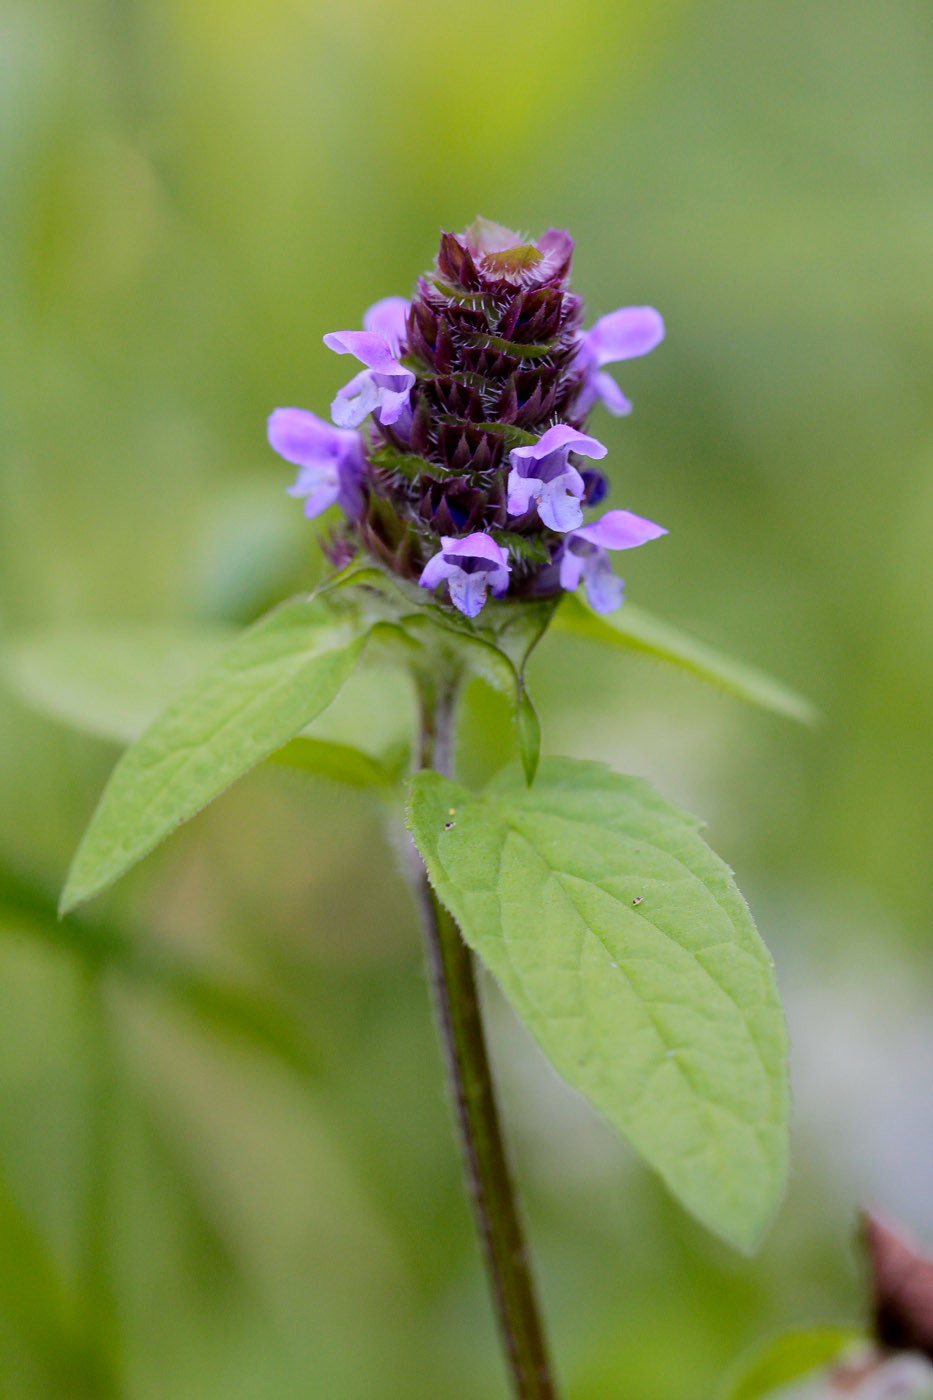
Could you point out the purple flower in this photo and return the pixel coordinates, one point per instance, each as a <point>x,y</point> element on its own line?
<point>622,335</point>
<point>384,385</point>
<point>469,567</point>
<point>583,555</point>
<point>542,475</point>
<point>389,318</point>
<point>330,460</point>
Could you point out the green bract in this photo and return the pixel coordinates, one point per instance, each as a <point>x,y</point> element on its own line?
<point>624,945</point>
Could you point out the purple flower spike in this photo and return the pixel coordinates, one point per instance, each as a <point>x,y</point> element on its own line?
<point>541,475</point>
<point>330,460</point>
<point>382,387</point>
<point>583,555</point>
<point>622,335</point>
<point>488,353</point>
<point>469,567</point>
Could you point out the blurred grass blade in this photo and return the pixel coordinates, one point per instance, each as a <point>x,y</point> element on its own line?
<point>634,629</point>
<point>792,1356</point>
<point>110,679</point>
<point>262,691</point>
<point>238,1012</point>
<point>35,1302</point>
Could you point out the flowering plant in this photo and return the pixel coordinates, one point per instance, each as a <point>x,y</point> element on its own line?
<point>460,460</point>
<point>475,395</point>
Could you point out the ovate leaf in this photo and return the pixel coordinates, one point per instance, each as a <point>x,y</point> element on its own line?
<point>623,943</point>
<point>634,629</point>
<point>113,680</point>
<point>259,694</point>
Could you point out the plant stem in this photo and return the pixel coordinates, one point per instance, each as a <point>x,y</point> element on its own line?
<point>99,1312</point>
<point>486,1169</point>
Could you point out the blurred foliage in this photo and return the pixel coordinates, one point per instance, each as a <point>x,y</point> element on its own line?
<point>225,1161</point>
<point>792,1359</point>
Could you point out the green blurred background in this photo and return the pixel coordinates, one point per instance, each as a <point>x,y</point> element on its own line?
<point>226,1166</point>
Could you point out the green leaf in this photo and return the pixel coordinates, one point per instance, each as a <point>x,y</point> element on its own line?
<point>634,629</point>
<point>341,763</point>
<point>110,679</point>
<point>483,742</point>
<point>259,694</point>
<point>496,649</point>
<point>529,735</point>
<point>623,943</point>
<point>498,659</point>
<point>113,680</point>
<point>787,1358</point>
<point>516,639</point>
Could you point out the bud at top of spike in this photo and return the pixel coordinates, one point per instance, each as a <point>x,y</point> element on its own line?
<point>469,412</point>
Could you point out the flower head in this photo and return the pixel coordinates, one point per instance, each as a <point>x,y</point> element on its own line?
<point>469,567</point>
<point>456,454</point>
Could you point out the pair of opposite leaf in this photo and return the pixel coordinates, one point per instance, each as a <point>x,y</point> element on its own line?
<point>617,935</point>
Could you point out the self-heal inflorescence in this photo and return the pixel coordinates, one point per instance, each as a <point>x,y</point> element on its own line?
<point>457,453</point>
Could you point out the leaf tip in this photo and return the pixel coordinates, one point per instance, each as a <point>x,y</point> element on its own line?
<point>749,1244</point>
<point>67,901</point>
<point>809,714</point>
<point>77,889</point>
<point>747,1237</point>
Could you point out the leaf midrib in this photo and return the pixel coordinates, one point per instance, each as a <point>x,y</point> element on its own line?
<point>195,746</point>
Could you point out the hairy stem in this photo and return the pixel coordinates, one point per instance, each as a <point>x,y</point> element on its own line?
<point>486,1169</point>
